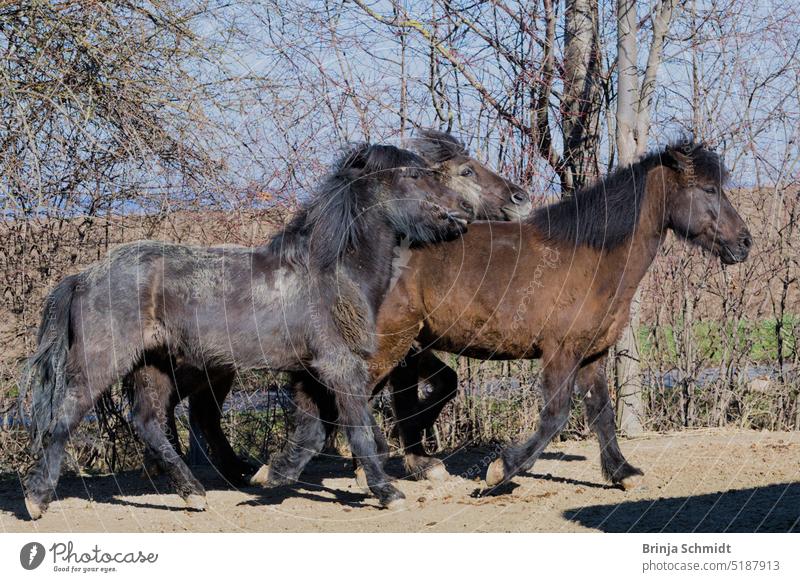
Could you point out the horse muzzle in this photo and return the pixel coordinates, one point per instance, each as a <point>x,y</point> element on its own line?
<point>518,212</point>
<point>737,252</point>
<point>462,219</point>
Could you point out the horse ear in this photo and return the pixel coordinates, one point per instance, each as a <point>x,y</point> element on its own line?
<point>679,157</point>
<point>439,146</point>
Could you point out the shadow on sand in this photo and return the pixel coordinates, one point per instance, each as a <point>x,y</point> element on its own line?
<point>112,488</point>
<point>773,508</point>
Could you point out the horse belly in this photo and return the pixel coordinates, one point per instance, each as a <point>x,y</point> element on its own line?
<point>246,342</point>
<point>483,341</point>
<point>260,327</point>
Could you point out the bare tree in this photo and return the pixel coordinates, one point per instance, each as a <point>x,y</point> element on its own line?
<point>582,100</point>
<point>203,121</point>
<point>634,102</point>
<point>529,98</point>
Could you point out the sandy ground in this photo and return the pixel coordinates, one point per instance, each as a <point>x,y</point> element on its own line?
<point>710,480</point>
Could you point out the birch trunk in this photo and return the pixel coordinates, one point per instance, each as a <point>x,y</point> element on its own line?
<point>626,363</point>
<point>581,101</point>
<point>633,129</point>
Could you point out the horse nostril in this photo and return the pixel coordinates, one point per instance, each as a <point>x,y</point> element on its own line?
<point>747,240</point>
<point>519,198</point>
<point>467,207</point>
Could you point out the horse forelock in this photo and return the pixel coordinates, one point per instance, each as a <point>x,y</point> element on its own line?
<point>688,156</point>
<point>376,161</point>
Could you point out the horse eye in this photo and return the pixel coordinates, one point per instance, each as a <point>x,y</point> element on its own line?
<point>467,171</point>
<point>711,189</point>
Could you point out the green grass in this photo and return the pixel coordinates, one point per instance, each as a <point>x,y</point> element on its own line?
<point>713,339</point>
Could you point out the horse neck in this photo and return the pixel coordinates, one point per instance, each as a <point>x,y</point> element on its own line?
<point>369,265</point>
<point>629,262</point>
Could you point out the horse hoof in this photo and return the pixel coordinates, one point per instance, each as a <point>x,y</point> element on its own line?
<point>437,473</point>
<point>196,502</point>
<point>631,482</point>
<point>420,467</point>
<point>496,473</point>
<point>261,478</point>
<point>247,470</point>
<point>396,504</point>
<point>361,479</point>
<point>34,509</point>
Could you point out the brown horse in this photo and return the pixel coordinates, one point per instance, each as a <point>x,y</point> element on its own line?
<point>484,193</point>
<point>492,196</point>
<point>557,287</point>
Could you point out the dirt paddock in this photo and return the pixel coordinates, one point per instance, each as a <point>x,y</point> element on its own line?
<point>709,480</point>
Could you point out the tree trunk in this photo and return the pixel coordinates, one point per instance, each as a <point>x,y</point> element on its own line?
<point>627,81</point>
<point>626,362</point>
<point>633,129</point>
<point>661,20</point>
<point>582,101</point>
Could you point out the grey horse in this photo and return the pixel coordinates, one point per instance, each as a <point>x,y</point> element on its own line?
<point>306,300</point>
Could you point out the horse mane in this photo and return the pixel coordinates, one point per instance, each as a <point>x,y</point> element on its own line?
<point>332,222</point>
<point>438,146</point>
<point>604,214</point>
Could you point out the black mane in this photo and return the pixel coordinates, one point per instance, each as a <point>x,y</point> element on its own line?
<point>438,146</point>
<point>604,215</point>
<point>332,221</point>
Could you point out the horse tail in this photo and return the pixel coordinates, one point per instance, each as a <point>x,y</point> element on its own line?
<point>45,371</point>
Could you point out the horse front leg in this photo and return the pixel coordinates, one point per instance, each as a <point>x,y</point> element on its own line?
<point>558,380</point>
<point>382,448</point>
<point>205,411</point>
<point>444,387</point>
<point>593,388</point>
<point>345,375</point>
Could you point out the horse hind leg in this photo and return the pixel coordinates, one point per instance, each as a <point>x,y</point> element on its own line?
<point>150,402</point>
<point>41,480</point>
<point>306,440</point>
<point>405,404</point>
<point>171,425</point>
<point>152,463</point>
<point>593,387</point>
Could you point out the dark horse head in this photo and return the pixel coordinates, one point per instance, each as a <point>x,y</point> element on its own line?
<point>689,180</point>
<point>700,211</point>
<point>489,194</point>
<point>380,182</point>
